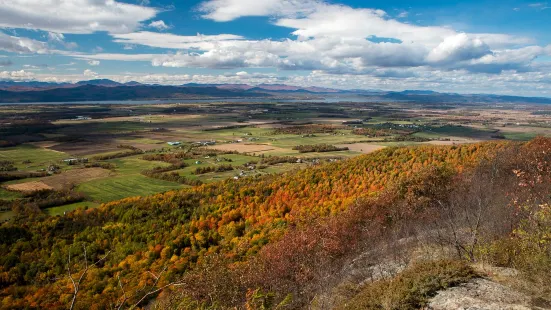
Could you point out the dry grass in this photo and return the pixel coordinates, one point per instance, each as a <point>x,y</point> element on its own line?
<point>62,181</point>
<point>74,177</point>
<point>29,187</point>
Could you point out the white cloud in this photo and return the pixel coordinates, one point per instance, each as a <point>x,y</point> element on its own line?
<point>22,45</point>
<point>172,41</point>
<point>56,37</point>
<point>118,57</point>
<point>458,48</point>
<point>89,73</point>
<point>159,25</point>
<point>74,16</point>
<point>60,39</point>
<point>21,75</point>
<point>94,62</point>
<point>514,83</point>
<point>332,37</point>
<point>226,10</point>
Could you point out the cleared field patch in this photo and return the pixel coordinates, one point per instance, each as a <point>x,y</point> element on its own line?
<point>7,195</point>
<point>67,208</point>
<point>34,156</point>
<point>29,187</point>
<point>134,164</point>
<point>61,181</point>
<point>84,148</point>
<point>246,148</point>
<point>365,148</point>
<point>6,216</point>
<point>109,189</point>
<point>74,177</point>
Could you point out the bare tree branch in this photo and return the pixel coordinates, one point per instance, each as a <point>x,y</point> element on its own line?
<point>76,284</point>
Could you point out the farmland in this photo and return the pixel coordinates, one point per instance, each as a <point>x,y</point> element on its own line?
<point>102,156</point>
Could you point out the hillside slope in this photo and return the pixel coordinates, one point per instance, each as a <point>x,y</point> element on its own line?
<point>176,231</point>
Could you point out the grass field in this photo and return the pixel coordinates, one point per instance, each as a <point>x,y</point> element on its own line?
<point>520,136</point>
<point>5,216</point>
<point>8,195</point>
<point>38,157</point>
<point>109,189</point>
<point>134,164</point>
<point>66,208</point>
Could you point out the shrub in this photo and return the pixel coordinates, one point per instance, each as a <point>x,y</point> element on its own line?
<point>318,148</point>
<point>412,288</point>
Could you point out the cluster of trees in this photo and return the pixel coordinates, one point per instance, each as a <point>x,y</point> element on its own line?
<point>160,169</point>
<point>19,175</point>
<point>408,138</point>
<point>131,152</point>
<point>274,160</point>
<point>7,165</point>
<point>372,132</point>
<point>35,201</point>
<point>108,166</point>
<point>218,168</point>
<point>226,127</point>
<point>305,129</point>
<point>179,236</point>
<point>172,177</point>
<point>168,157</point>
<point>318,148</point>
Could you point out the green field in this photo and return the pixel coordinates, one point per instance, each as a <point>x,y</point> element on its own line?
<point>66,208</point>
<point>135,165</point>
<point>8,195</point>
<point>519,136</point>
<point>109,189</point>
<point>39,157</point>
<point>5,216</point>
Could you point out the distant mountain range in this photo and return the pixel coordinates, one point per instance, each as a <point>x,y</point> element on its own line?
<point>103,90</point>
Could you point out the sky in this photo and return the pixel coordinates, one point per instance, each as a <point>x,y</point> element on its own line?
<point>482,46</point>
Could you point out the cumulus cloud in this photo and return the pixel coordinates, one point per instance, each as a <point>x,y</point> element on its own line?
<point>60,39</point>
<point>227,10</point>
<point>74,16</point>
<point>159,25</point>
<point>458,48</point>
<point>332,37</point>
<point>89,73</point>
<point>22,45</point>
<point>94,62</point>
<point>20,75</point>
<point>515,83</point>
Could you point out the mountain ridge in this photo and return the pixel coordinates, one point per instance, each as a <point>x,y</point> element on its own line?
<point>20,92</point>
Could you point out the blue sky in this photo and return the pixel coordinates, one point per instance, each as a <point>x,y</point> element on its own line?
<point>461,46</point>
